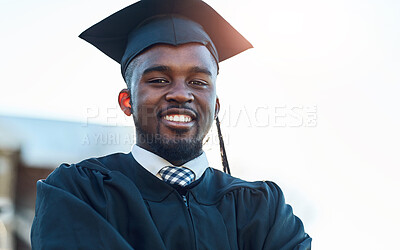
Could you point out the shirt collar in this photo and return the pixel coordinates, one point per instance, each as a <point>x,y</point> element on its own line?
<point>154,163</point>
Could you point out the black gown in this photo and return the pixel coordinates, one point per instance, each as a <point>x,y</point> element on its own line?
<point>114,203</point>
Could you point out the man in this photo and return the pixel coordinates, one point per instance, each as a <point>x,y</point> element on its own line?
<point>163,195</point>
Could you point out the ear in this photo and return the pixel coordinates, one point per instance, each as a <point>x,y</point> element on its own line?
<point>124,100</point>
<point>217,106</point>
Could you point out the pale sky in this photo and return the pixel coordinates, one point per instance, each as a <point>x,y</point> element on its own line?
<point>313,107</point>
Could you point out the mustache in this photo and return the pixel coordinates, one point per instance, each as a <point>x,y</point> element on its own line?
<point>177,107</point>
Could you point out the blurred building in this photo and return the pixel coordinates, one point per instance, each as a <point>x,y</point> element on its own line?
<point>30,149</point>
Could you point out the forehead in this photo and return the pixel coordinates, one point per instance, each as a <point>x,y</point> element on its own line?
<point>186,55</point>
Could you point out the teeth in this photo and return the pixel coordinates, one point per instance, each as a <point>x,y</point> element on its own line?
<point>178,118</point>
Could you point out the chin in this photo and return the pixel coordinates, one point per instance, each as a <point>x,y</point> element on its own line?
<point>177,149</point>
<point>173,145</point>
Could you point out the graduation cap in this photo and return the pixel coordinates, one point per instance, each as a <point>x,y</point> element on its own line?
<point>128,32</point>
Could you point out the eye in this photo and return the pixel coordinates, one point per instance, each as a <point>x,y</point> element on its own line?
<point>198,83</point>
<point>158,81</point>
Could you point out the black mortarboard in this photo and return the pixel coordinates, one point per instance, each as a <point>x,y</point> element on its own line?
<point>126,33</point>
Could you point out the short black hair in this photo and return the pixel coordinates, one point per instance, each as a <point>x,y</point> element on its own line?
<point>129,72</point>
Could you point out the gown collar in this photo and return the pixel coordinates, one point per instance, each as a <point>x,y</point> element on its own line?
<point>207,190</point>
<point>154,163</point>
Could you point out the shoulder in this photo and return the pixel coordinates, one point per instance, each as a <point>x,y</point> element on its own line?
<point>220,185</point>
<point>228,182</point>
<point>84,181</point>
<point>86,172</point>
<point>261,205</point>
<point>103,165</point>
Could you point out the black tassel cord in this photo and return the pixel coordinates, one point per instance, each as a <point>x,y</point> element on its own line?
<point>225,163</point>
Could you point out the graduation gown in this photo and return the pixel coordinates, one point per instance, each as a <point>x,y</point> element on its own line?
<point>114,203</point>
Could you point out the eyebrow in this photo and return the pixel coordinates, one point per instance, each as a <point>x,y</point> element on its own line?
<point>163,68</point>
<point>160,68</point>
<point>200,70</point>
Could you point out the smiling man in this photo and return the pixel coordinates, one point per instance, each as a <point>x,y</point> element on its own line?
<point>163,194</point>
<point>172,97</point>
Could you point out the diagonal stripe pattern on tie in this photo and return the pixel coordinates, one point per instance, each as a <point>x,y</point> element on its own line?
<point>177,175</point>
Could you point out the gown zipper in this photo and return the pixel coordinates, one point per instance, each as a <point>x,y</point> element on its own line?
<point>185,200</point>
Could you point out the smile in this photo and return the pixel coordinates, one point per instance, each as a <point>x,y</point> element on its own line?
<point>178,118</point>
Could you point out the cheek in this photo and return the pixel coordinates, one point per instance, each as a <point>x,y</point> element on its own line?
<point>144,108</point>
<point>140,99</point>
<point>208,113</point>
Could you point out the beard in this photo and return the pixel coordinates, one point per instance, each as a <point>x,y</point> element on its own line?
<point>177,149</point>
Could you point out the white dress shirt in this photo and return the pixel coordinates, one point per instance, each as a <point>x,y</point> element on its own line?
<point>154,163</point>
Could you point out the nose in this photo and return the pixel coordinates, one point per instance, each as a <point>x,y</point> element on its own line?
<point>179,93</point>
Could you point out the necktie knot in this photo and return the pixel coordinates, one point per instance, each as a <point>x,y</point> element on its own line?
<point>177,175</point>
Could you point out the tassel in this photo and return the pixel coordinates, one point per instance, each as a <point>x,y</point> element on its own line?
<point>225,163</point>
